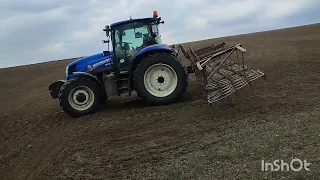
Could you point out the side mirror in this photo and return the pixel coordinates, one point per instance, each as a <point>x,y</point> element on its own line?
<point>159,21</point>
<point>107,30</point>
<point>106,53</point>
<point>154,34</point>
<point>138,35</point>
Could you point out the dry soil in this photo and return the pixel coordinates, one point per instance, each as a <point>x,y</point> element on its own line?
<point>277,119</point>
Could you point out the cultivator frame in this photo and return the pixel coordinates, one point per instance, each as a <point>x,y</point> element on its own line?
<point>218,72</point>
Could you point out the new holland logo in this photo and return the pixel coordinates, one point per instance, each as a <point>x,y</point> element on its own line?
<point>91,67</point>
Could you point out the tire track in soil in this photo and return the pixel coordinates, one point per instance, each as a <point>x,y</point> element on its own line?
<point>134,138</point>
<point>44,147</point>
<point>129,139</point>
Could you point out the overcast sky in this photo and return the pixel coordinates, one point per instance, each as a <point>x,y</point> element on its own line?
<point>35,31</point>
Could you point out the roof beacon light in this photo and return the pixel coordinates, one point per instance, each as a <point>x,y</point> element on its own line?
<point>155,14</point>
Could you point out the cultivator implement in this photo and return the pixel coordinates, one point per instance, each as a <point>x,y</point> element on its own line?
<point>220,69</point>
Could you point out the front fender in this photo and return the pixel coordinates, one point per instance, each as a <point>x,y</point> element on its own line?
<point>54,88</point>
<point>84,74</point>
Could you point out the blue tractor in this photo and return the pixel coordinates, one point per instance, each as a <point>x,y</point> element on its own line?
<point>138,62</point>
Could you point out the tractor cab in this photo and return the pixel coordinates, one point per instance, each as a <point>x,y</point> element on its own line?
<point>130,36</point>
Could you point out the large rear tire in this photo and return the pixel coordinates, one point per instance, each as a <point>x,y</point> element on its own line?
<point>160,79</point>
<point>79,96</point>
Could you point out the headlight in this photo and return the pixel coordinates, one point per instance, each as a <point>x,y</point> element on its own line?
<point>67,70</point>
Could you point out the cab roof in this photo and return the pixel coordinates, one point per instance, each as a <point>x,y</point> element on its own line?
<point>129,21</point>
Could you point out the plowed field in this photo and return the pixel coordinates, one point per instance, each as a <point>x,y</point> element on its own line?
<point>277,119</point>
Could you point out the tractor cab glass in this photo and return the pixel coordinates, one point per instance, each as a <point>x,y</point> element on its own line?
<point>132,37</point>
<point>155,33</point>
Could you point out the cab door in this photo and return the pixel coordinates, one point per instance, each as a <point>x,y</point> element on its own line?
<point>127,43</point>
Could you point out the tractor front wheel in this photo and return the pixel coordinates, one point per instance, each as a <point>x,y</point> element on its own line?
<point>79,96</point>
<point>160,79</point>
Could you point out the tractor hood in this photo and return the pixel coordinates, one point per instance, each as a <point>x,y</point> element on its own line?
<point>90,59</point>
<point>89,63</point>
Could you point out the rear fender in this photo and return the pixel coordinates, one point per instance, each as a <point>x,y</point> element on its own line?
<point>152,48</point>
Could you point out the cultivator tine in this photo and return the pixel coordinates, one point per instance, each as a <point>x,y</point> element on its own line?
<point>220,76</point>
<point>253,75</point>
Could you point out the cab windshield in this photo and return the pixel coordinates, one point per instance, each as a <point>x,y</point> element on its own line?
<point>132,37</point>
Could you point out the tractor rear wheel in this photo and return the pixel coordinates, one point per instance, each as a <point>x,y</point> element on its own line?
<point>160,79</point>
<point>79,96</point>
